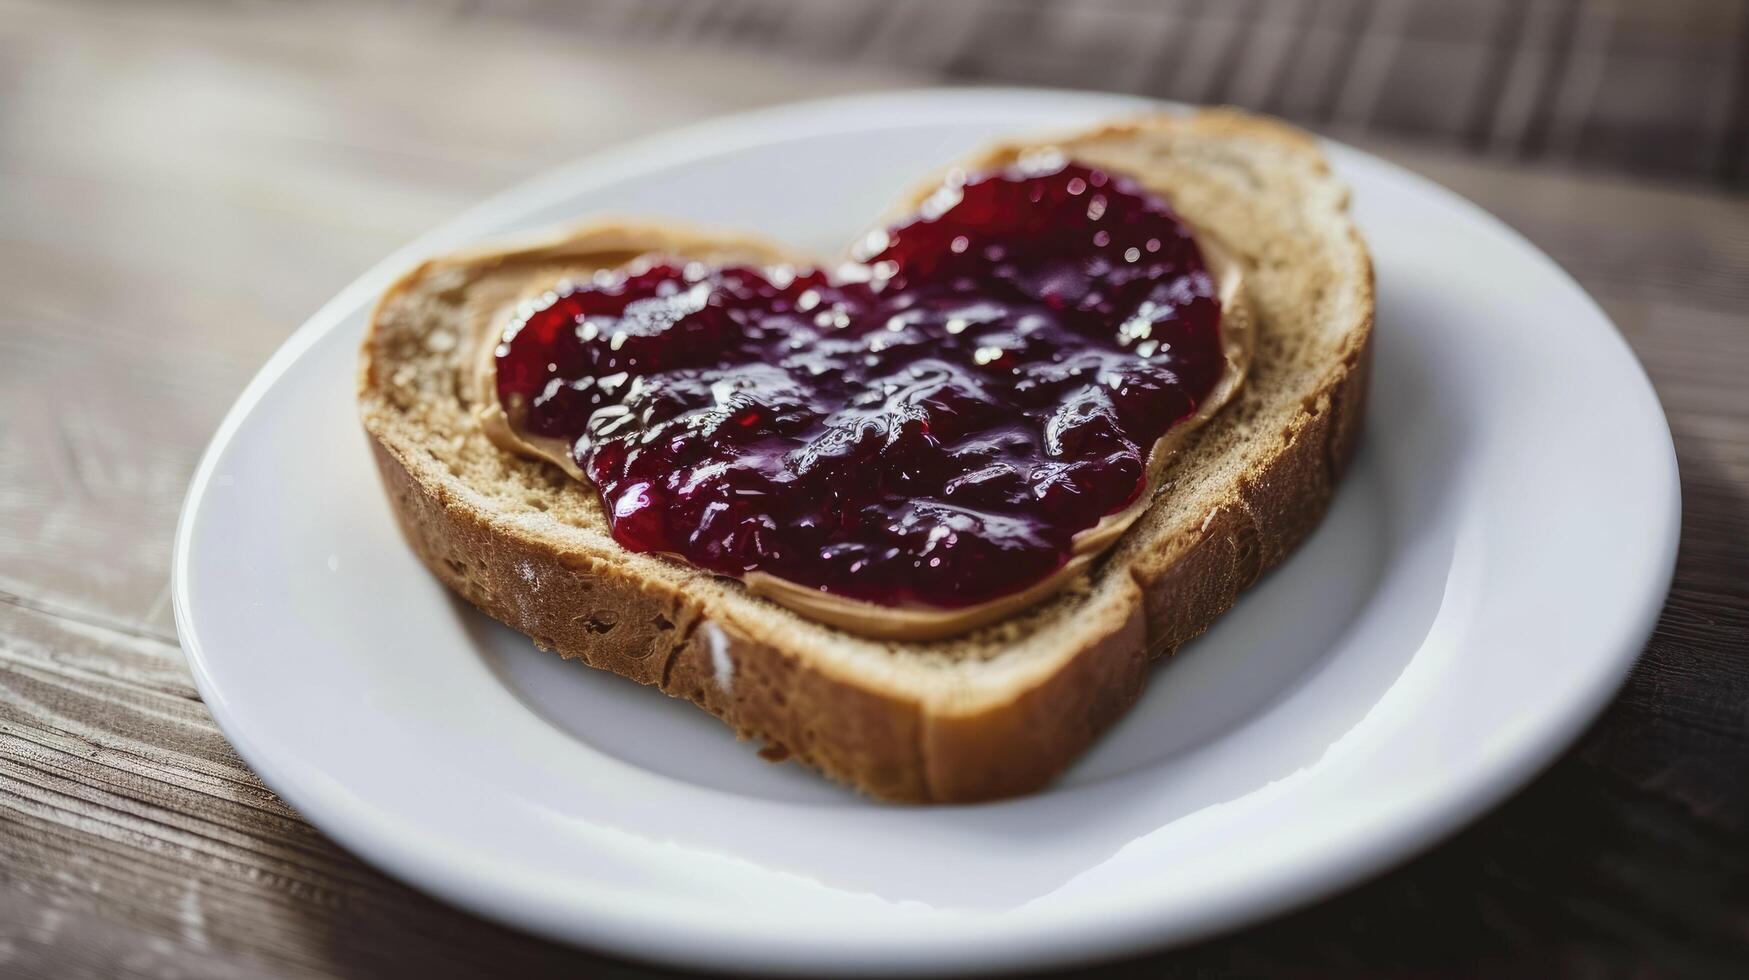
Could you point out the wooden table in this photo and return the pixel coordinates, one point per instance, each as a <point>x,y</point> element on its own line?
<point>180,187</point>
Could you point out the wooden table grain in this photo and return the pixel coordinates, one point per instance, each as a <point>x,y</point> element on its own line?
<point>181,185</point>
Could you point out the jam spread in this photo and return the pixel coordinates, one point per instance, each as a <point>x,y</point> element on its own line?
<point>929,426</point>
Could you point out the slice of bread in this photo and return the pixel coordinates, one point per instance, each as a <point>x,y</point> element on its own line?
<point>994,712</point>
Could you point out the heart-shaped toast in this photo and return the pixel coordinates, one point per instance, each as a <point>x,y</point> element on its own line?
<point>924,439</point>
<point>883,678</point>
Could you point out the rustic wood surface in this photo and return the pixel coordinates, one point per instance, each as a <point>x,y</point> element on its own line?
<point>1648,86</point>
<point>180,186</point>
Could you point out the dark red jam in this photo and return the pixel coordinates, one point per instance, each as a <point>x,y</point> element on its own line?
<point>931,426</point>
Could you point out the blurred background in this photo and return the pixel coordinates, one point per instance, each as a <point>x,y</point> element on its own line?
<point>1650,87</point>
<point>183,183</point>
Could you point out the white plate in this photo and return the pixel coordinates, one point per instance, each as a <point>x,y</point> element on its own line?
<point>1489,571</point>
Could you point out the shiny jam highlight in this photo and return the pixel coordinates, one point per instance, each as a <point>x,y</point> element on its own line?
<point>930,426</point>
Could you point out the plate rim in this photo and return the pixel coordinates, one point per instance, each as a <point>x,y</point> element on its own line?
<point>1407,833</point>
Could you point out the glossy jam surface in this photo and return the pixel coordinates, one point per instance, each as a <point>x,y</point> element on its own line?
<point>931,426</point>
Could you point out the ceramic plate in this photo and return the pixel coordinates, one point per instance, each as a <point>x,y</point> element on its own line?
<point>1488,572</point>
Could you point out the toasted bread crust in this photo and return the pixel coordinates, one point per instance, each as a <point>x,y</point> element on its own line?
<point>695,644</point>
